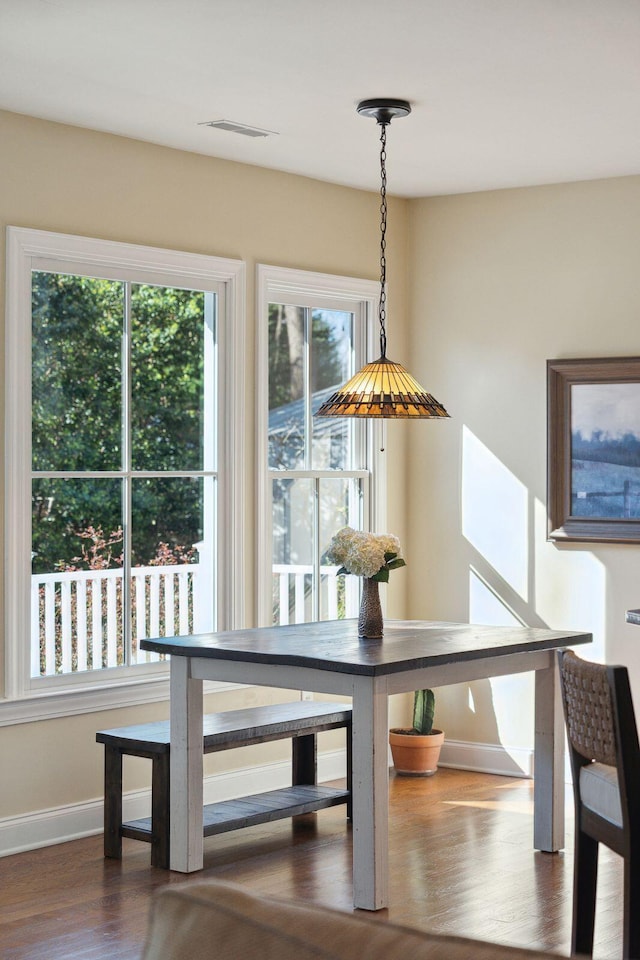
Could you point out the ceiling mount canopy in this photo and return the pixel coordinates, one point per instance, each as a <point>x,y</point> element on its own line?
<point>382,388</point>
<point>384,111</point>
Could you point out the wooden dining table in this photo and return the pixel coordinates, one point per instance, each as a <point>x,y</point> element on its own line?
<point>328,657</point>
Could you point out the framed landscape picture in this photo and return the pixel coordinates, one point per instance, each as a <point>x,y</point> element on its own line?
<point>593,457</point>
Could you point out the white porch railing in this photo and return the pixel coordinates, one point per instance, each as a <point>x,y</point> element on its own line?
<point>293,594</point>
<point>76,616</point>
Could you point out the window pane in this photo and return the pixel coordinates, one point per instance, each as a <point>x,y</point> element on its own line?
<point>331,366</point>
<point>315,344</point>
<point>340,506</point>
<point>71,519</point>
<point>77,325</point>
<point>286,386</point>
<point>171,343</point>
<point>76,583</point>
<point>172,573</point>
<point>293,551</point>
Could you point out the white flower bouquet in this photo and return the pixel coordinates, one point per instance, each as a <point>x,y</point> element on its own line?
<point>370,555</point>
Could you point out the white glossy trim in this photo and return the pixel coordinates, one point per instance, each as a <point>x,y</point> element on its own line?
<point>306,288</point>
<point>18,457</point>
<point>60,249</point>
<point>72,703</point>
<point>231,519</point>
<point>71,822</point>
<point>28,249</point>
<point>315,286</point>
<point>487,758</point>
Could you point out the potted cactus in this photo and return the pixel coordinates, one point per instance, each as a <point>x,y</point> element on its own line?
<point>416,750</point>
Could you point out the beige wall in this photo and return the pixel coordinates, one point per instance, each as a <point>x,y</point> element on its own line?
<point>499,283</point>
<point>484,288</point>
<point>68,180</point>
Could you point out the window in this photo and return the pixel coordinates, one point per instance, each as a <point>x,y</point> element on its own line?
<point>316,474</point>
<point>123,402</point>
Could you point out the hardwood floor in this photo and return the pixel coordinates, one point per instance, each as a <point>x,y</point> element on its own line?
<point>461,862</point>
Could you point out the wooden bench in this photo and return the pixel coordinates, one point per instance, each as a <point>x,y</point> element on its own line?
<point>300,720</point>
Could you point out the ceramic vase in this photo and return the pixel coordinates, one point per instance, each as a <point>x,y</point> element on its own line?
<point>370,626</point>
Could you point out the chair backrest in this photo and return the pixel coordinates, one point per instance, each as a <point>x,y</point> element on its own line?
<point>601,724</point>
<point>588,709</point>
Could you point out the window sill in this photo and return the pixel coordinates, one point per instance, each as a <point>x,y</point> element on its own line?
<point>70,703</point>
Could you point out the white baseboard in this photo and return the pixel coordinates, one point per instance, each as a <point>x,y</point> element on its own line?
<point>487,758</point>
<point>59,824</point>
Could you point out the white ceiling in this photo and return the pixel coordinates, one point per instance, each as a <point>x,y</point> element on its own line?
<point>504,92</point>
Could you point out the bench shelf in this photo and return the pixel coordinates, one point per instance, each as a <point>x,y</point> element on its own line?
<point>299,721</point>
<point>248,811</point>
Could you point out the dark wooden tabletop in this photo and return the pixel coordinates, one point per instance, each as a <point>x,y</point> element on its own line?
<point>334,645</point>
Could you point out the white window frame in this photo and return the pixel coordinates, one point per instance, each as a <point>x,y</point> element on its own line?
<point>306,288</point>
<point>27,698</point>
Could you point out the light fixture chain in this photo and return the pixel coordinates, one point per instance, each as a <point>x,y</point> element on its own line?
<point>382,389</point>
<point>383,240</point>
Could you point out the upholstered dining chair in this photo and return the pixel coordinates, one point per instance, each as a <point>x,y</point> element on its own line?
<point>605,761</point>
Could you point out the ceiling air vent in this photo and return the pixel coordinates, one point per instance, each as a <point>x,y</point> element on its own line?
<point>240,128</point>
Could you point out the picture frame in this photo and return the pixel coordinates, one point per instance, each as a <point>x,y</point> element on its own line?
<point>593,449</point>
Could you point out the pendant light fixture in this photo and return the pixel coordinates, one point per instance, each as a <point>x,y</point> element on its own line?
<point>382,389</point>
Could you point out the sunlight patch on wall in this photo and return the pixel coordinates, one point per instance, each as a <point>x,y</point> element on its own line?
<point>511,695</point>
<point>495,512</point>
<point>570,587</point>
<point>486,606</point>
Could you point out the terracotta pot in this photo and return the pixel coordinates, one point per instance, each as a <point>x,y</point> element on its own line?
<point>415,755</point>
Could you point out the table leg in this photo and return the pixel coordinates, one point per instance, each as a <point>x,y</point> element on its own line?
<point>548,784</point>
<point>186,842</point>
<point>370,795</point>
